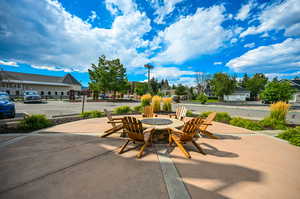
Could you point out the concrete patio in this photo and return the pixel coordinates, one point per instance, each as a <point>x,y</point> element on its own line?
<point>72,161</point>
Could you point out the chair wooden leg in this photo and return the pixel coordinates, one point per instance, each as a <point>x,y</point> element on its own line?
<point>198,147</point>
<point>124,146</point>
<point>140,153</point>
<point>107,134</point>
<point>180,146</point>
<point>170,140</point>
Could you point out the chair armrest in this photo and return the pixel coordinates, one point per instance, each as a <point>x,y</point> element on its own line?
<point>206,123</point>
<point>149,130</point>
<point>114,122</point>
<point>117,118</point>
<point>176,130</point>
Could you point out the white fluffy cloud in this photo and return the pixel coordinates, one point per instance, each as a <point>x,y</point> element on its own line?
<point>244,11</point>
<point>192,36</point>
<point>278,58</point>
<point>163,10</point>
<point>170,73</point>
<point>249,45</point>
<point>279,16</point>
<point>48,35</point>
<point>8,63</point>
<point>218,63</point>
<point>282,75</point>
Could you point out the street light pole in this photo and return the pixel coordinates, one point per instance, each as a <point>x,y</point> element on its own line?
<point>149,67</point>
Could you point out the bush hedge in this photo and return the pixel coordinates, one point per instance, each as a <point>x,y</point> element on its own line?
<point>34,122</point>
<point>247,124</point>
<point>273,124</point>
<point>138,108</point>
<point>122,110</point>
<point>92,114</point>
<point>220,117</point>
<point>292,135</point>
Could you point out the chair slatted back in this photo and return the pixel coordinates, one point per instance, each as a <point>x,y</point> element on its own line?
<point>109,117</point>
<point>148,111</point>
<point>181,112</point>
<point>211,117</point>
<point>208,120</point>
<point>190,128</point>
<point>133,127</point>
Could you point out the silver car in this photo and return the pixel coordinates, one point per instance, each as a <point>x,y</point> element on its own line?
<point>32,96</point>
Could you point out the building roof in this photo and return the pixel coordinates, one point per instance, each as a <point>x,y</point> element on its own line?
<point>295,83</point>
<point>34,78</point>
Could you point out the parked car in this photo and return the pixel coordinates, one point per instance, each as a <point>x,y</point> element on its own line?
<point>32,96</point>
<point>7,107</point>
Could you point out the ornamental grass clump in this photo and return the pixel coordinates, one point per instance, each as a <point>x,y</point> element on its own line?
<point>146,100</point>
<point>279,111</point>
<point>167,106</point>
<point>156,103</point>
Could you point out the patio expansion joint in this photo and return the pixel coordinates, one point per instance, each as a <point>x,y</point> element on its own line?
<point>175,186</point>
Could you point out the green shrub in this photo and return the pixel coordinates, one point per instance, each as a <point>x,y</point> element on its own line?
<point>189,113</point>
<point>34,122</point>
<point>122,110</point>
<point>138,108</point>
<point>205,114</point>
<point>92,114</point>
<point>223,117</point>
<point>273,123</point>
<point>292,135</point>
<point>220,117</point>
<point>244,123</point>
<point>202,98</point>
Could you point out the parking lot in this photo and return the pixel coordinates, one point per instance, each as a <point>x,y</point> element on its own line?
<point>56,108</point>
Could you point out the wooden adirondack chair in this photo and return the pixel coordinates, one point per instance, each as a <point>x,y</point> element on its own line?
<point>148,112</point>
<point>116,123</point>
<point>206,123</point>
<point>134,129</point>
<point>187,134</point>
<point>180,113</point>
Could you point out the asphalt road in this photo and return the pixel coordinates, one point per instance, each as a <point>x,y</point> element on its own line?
<point>55,108</point>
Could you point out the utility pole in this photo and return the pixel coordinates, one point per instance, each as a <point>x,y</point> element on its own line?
<point>149,67</point>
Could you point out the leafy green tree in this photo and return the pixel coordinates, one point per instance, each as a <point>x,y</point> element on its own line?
<point>108,75</point>
<point>141,89</point>
<point>256,84</point>
<point>222,84</point>
<point>181,90</point>
<point>277,91</point>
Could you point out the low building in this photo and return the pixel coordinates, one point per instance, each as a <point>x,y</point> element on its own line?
<point>295,83</point>
<point>239,95</point>
<point>15,83</point>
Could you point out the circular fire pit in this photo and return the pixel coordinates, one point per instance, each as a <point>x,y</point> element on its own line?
<point>156,121</point>
<point>161,126</point>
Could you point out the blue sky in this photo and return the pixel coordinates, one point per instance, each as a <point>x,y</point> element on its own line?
<point>178,37</point>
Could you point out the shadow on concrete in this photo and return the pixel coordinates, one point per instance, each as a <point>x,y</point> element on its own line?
<point>83,166</point>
